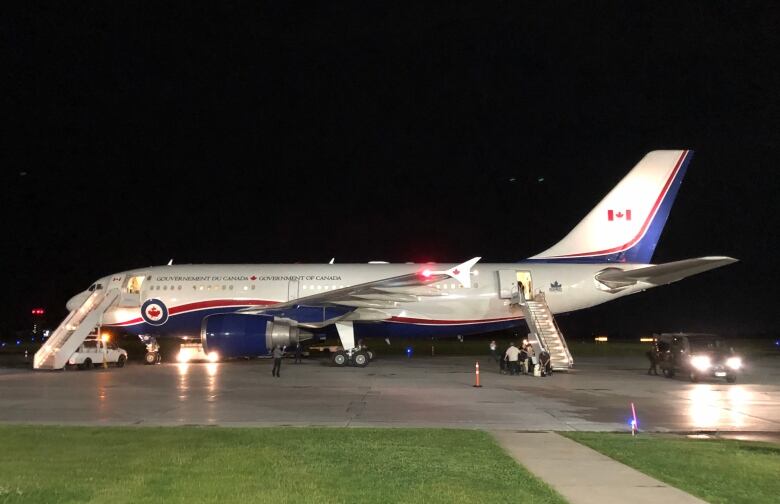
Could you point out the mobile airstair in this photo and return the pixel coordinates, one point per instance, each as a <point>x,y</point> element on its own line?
<point>542,324</point>
<point>72,332</point>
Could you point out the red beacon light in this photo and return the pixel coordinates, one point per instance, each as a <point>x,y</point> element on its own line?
<point>426,273</point>
<point>38,311</point>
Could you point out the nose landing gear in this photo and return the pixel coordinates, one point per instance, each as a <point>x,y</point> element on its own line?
<point>152,349</point>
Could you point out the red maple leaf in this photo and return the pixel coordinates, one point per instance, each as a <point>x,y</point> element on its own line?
<point>253,277</point>
<point>153,312</point>
<point>456,272</point>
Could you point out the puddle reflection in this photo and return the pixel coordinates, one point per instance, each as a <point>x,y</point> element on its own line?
<point>712,407</point>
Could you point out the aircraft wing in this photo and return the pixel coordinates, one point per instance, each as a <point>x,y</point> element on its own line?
<point>368,300</point>
<point>661,274</point>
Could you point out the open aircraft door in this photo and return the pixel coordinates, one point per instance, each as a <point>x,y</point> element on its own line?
<point>131,290</point>
<point>524,278</point>
<point>509,282</point>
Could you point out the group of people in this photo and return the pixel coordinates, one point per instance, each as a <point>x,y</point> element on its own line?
<point>522,360</point>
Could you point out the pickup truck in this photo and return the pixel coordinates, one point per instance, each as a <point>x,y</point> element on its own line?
<point>95,352</point>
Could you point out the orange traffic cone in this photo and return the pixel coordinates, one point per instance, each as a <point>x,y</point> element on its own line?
<point>477,385</point>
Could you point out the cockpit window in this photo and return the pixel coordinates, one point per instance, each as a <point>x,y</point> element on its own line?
<point>91,288</point>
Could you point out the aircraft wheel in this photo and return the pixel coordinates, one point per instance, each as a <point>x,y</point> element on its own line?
<point>150,358</point>
<point>732,378</point>
<point>121,361</point>
<point>693,376</point>
<point>340,358</point>
<point>669,373</point>
<point>360,359</point>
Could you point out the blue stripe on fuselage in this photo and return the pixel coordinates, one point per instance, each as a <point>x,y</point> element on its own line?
<point>188,324</point>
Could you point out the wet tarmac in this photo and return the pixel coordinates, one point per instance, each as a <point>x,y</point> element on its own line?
<point>394,391</point>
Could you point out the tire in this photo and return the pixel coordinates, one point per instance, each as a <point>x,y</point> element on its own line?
<point>693,377</point>
<point>340,359</point>
<point>370,355</point>
<point>732,378</point>
<point>669,372</point>
<point>87,363</point>
<point>150,358</point>
<point>360,359</point>
<point>121,361</point>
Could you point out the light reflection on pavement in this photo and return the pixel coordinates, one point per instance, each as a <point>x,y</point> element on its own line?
<point>422,391</point>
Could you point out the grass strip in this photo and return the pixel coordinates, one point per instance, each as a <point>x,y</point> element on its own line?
<point>214,464</point>
<point>716,470</point>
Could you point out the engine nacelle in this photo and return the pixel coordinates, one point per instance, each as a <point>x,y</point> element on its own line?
<point>244,335</point>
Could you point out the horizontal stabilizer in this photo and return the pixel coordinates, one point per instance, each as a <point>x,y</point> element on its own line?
<point>666,273</point>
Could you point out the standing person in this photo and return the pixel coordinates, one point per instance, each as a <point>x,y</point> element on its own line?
<point>278,354</point>
<point>512,353</point>
<point>494,351</point>
<point>298,352</point>
<point>653,357</point>
<point>522,359</point>
<point>530,356</point>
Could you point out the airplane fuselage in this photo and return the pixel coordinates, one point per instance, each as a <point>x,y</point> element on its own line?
<point>188,293</point>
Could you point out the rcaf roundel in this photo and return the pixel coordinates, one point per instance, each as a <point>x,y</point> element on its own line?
<point>154,312</point>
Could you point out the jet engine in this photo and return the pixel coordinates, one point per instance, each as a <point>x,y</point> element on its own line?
<point>244,335</point>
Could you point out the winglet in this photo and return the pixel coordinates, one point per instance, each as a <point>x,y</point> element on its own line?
<point>461,272</point>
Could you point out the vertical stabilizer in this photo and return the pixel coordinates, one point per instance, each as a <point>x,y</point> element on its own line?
<point>626,225</point>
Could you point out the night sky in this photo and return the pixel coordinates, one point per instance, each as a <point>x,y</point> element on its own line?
<point>270,132</point>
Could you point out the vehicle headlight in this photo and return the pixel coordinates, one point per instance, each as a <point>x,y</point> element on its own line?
<point>213,356</point>
<point>700,362</point>
<point>734,362</point>
<point>184,356</point>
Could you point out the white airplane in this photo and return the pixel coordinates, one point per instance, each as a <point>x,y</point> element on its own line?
<point>243,310</point>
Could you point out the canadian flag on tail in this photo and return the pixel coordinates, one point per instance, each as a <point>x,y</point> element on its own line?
<point>619,214</point>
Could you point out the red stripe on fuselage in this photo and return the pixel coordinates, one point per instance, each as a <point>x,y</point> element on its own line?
<point>218,303</point>
<point>202,305</point>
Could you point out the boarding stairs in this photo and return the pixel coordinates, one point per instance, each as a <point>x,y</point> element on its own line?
<point>72,332</point>
<point>542,324</point>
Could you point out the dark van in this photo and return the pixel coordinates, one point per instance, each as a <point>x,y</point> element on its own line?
<point>697,356</point>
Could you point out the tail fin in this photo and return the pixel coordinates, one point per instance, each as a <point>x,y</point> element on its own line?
<point>626,224</point>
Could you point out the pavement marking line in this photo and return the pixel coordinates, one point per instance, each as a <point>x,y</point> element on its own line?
<point>583,475</point>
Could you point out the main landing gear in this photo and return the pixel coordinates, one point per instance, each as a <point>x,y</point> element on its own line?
<point>358,357</point>
<point>355,357</point>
